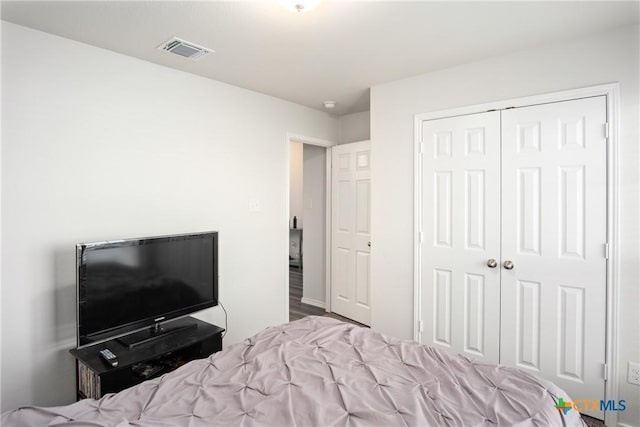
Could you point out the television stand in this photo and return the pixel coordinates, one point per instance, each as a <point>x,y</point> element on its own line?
<point>153,333</point>
<point>163,353</point>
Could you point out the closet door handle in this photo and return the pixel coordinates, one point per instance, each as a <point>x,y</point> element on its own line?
<point>508,265</point>
<point>492,263</point>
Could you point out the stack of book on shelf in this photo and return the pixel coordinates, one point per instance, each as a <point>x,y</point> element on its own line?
<point>88,382</point>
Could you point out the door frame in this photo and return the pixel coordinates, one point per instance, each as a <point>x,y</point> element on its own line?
<point>292,137</point>
<point>612,93</point>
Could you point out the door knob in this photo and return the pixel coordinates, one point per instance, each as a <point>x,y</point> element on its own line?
<point>508,265</point>
<point>369,244</point>
<point>492,263</point>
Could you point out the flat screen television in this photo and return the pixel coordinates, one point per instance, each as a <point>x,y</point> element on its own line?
<point>127,285</point>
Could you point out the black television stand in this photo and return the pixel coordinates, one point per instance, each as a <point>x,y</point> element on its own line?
<point>153,333</point>
<point>187,339</point>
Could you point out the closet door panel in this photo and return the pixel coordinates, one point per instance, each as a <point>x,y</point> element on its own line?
<point>553,231</point>
<point>460,221</point>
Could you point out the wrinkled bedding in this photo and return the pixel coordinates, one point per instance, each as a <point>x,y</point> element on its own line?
<point>319,371</point>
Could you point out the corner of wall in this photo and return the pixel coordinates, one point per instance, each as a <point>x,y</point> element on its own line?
<point>354,127</point>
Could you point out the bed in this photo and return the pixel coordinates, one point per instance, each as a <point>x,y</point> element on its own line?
<point>319,371</point>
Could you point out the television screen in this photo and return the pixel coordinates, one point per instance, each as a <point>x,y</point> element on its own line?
<point>129,284</point>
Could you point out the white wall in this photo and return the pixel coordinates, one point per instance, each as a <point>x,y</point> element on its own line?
<point>598,59</point>
<point>354,127</point>
<point>296,177</point>
<point>1,161</point>
<point>96,145</point>
<point>314,237</point>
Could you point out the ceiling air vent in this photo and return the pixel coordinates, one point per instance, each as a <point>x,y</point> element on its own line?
<point>185,49</point>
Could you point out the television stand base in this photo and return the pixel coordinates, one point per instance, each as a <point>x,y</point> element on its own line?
<point>95,378</point>
<point>153,333</point>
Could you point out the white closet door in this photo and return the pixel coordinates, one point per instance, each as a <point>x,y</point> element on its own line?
<point>351,230</point>
<point>553,231</point>
<point>461,226</point>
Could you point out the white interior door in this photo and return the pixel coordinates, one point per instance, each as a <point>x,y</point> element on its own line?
<point>553,232</point>
<point>461,226</point>
<point>351,230</point>
<point>526,187</point>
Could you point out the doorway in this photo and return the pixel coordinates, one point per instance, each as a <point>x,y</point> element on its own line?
<point>308,249</point>
<point>307,230</point>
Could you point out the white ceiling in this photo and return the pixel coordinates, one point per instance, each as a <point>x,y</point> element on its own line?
<point>336,52</point>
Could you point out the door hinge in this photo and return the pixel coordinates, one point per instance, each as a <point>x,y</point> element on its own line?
<point>606,251</point>
<point>421,147</point>
<point>605,371</point>
<point>420,326</point>
<point>420,237</point>
<point>606,130</point>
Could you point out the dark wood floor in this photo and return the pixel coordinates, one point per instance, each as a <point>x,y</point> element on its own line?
<point>298,310</point>
<point>592,422</point>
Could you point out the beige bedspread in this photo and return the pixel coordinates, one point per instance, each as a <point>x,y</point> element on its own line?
<point>321,372</point>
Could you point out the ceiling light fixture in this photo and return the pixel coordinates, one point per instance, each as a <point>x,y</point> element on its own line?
<point>300,5</point>
<point>330,104</point>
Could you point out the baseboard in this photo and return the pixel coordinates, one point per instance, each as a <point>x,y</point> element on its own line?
<point>313,302</point>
